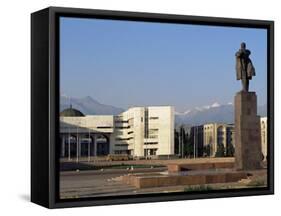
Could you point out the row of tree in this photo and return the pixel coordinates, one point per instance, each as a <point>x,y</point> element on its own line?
<point>184,146</point>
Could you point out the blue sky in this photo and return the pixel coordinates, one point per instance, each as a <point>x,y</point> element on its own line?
<point>126,63</point>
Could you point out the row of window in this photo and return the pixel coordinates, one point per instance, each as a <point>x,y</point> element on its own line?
<point>150,143</point>
<point>121,121</point>
<point>146,129</point>
<point>122,145</point>
<point>122,152</point>
<point>122,127</point>
<point>153,118</point>
<point>123,139</point>
<point>155,130</point>
<point>148,152</point>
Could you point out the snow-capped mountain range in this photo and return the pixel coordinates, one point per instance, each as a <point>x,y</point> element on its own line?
<point>215,112</point>
<point>206,107</point>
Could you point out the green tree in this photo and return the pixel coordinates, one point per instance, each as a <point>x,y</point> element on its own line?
<point>189,148</point>
<point>230,150</point>
<point>220,151</point>
<point>188,145</point>
<point>176,141</point>
<point>207,150</point>
<point>182,141</point>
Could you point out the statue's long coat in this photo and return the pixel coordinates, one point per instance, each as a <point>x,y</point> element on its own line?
<point>250,70</point>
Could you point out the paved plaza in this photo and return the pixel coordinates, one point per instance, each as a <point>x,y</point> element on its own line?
<point>108,181</point>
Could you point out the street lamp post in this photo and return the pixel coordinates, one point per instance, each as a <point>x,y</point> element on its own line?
<point>69,144</point>
<point>182,136</point>
<point>195,133</point>
<point>77,145</point>
<point>89,152</point>
<point>179,142</point>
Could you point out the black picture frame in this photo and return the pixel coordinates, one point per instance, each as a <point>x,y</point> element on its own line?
<point>45,105</point>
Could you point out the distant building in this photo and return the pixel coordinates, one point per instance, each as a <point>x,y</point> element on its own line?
<point>139,131</point>
<point>264,136</point>
<point>210,136</point>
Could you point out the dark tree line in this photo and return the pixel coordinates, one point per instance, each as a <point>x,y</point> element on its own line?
<point>225,152</point>
<point>183,144</point>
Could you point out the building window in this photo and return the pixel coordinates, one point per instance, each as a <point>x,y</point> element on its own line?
<point>153,118</point>
<point>148,152</point>
<point>146,129</point>
<point>122,145</point>
<point>153,151</point>
<point>121,121</point>
<point>121,152</point>
<point>125,127</point>
<point>123,139</point>
<point>150,143</point>
<point>104,127</point>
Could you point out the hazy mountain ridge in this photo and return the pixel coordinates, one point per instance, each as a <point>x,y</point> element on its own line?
<point>88,106</point>
<point>196,116</point>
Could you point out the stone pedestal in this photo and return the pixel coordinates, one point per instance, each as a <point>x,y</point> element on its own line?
<point>248,154</point>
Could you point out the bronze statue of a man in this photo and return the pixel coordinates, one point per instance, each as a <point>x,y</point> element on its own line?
<point>244,67</point>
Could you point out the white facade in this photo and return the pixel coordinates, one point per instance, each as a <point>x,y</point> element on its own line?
<point>218,133</point>
<point>144,131</point>
<point>139,131</point>
<point>264,136</point>
<point>212,135</point>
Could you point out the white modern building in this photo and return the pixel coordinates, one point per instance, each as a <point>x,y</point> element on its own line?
<point>139,131</point>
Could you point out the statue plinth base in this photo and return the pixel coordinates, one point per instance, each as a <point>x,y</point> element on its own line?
<point>248,154</point>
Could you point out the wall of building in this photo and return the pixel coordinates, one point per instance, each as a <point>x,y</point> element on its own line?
<point>145,131</point>
<point>161,125</point>
<point>139,131</point>
<point>92,123</point>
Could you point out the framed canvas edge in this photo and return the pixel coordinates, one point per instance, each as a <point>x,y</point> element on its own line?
<point>54,105</point>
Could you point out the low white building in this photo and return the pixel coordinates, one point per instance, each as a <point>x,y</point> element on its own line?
<point>139,131</point>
